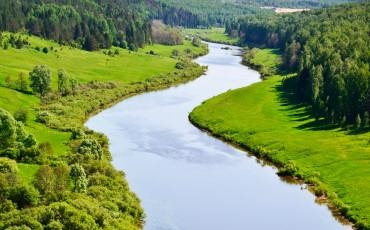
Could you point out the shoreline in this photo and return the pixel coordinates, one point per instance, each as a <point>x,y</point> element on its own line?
<point>338,211</point>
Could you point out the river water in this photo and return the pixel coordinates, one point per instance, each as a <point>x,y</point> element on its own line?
<point>188,180</point>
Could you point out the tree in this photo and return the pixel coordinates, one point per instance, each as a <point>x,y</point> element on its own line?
<point>366,120</point>
<point>8,81</point>
<point>90,43</point>
<point>45,179</point>
<point>62,175</point>
<point>74,85</point>
<point>91,147</point>
<point>79,178</point>
<point>358,121</point>
<point>40,78</point>
<point>22,82</point>
<point>8,130</point>
<point>63,82</point>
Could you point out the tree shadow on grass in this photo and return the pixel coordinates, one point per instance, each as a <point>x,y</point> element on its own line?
<point>297,110</point>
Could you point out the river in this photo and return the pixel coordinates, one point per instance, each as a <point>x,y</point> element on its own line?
<point>188,180</point>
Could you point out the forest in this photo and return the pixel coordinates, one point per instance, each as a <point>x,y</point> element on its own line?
<point>88,24</point>
<point>329,50</point>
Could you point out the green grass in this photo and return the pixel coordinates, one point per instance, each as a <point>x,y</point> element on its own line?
<point>11,100</point>
<point>269,57</point>
<point>27,172</point>
<point>166,51</point>
<point>85,66</point>
<point>266,116</point>
<point>127,67</point>
<point>217,35</point>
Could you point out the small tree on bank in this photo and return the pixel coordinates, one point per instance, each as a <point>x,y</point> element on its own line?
<point>63,83</point>
<point>40,78</point>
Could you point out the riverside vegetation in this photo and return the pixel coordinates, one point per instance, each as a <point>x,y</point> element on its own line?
<point>55,174</point>
<point>277,124</point>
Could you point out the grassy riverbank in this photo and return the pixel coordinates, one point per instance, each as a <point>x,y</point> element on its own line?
<point>216,35</point>
<point>266,119</point>
<point>104,77</point>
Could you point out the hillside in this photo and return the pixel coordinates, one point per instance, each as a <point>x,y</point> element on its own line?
<point>55,173</point>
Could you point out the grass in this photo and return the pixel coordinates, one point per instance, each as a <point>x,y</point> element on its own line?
<point>11,100</point>
<point>269,57</point>
<point>166,51</point>
<point>267,116</point>
<point>216,34</point>
<point>125,68</point>
<point>27,172</point>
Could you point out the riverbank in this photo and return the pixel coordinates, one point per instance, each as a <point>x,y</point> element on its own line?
<point>215,35</point>
<point>105,77</point>
<point>266,119</point>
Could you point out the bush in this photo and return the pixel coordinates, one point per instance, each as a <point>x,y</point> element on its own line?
<point>24,196</point>
<point>180,65</point>
<point>43,117</point>
<point>45,50</point>
<point>21,115</point>
<point>91,147</point>
<point>289,169</point>
<point>8,166</point>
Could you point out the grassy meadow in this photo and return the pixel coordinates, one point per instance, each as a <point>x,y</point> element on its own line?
<point>214,34</point>
<point>266,119</point>
<point>124,68</point>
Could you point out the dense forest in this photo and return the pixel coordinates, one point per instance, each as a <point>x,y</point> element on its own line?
<point>88,24</point>
<point>295,3</point>
<point>329,49</point>
<point>205,13</point>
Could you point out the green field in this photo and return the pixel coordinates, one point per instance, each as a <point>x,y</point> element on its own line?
<point>217,35</point>
<point>11,100</point>
<point>127,67</point>
<point>86,66</point>
<point>266,116</point>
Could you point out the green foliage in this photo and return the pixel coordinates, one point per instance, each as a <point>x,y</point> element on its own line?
<point>24,196</point>
<point>333,78</point>
<point>21,115</point>
<point>91,147</point>
<point>278,124</point>
<point>22,84</point>
<point>82,23</point>
<point>8,166</point>
<point>165,35</point>
<point>63,82</point>
<point>79,178</point>
<point>40,78</point>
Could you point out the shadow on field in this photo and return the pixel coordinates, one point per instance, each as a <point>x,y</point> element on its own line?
<point>299,111</point>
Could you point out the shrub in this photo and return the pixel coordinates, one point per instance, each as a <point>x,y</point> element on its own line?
<point>8,166</point>
<point>21,115</point>
<point>45,50</point>
<point>91,147</point>
<point>24,196</point>
<point>43,117</point>
<point>77,134</point>
<point>175,53</point>
<point>289,169</point>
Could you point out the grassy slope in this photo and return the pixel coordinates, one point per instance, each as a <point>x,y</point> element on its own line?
<point>264,115</point>
<point>213,35</point>
<point>84,66</point>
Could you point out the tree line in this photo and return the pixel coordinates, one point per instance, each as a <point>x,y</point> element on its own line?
<point>329,48</point>
<point>87,24</point>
